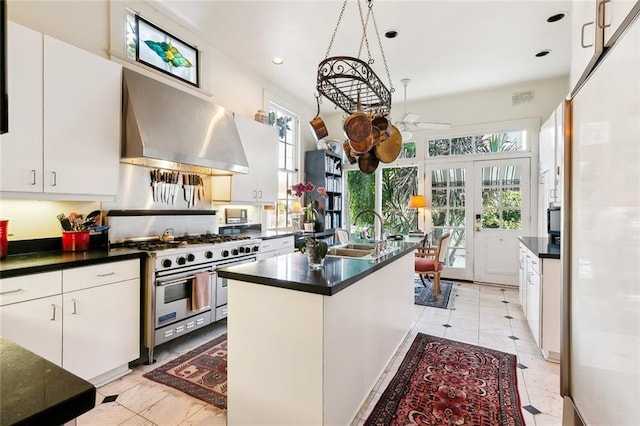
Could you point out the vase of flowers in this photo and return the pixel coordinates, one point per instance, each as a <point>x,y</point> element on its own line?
<point>312,217</point>
<point>316,251</point>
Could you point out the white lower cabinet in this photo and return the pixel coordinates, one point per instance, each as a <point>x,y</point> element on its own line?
<point>276,246</point>
<point>85,319</point>
<point>541,300</point>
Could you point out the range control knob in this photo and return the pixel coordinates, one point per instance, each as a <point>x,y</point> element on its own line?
<point>225,253</point>
<point>181,260</point>
<point>256,249</point>
<point>241,249</point>
<point>247,249</point>
<point>208,254</point>
<point>166,263</point>
<point>234,252</point>
<point>191,257</point>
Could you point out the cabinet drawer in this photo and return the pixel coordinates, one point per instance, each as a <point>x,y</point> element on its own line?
<point>104,273</point>
<point>28,287</point>
<point>276,243</point>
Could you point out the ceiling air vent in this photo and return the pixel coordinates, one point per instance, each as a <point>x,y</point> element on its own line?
<point>521,97</point>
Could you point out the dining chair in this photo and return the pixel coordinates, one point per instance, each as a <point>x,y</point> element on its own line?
<point>430,260</point>
<point>342,235</point>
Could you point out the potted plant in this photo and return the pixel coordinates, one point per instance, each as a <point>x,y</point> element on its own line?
<point>309,217</point>
<point>316,251</point>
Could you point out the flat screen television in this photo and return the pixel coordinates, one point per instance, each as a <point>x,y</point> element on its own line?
<point>4,104</point>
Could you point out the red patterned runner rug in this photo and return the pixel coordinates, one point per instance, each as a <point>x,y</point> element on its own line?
<point>442,382</point>
<point>201,373</point>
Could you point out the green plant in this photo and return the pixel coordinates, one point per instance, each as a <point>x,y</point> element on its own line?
<point>309,213</point>
<point>315,248</point>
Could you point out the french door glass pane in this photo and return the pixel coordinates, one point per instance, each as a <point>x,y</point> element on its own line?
<point>448,203</point>
<point>501,197</point>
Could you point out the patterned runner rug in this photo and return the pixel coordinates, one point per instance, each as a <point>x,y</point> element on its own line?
<point>442,382</point>
<point>424,294</point>
<point>201,373</point>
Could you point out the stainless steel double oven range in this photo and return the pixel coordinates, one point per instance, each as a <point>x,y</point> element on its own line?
<point>172,269</point>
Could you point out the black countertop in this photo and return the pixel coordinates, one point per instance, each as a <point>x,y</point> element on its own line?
<point>34,391</point>
<point>291,271</point>
<point>541,247</point>
<point>45,261</point>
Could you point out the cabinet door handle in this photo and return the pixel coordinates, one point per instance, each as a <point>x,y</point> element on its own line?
<point>255,194</point>
<point>10,291</point>
<point>108,274</point>
<point>260,192</point>
<point>74,311</point>
<point>529,276</point>
<point>601,14</point>
<point>53,312</point>
<point>585,25</point>
<point>33,177</point>
<point>54,175</point>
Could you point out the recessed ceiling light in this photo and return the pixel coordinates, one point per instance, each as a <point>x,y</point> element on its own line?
<point>542,53</point>
<point>556,17</point>
<point>277,60</point>
<point>391,34</point>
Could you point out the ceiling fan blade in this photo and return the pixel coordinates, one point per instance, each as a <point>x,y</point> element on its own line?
<point>432,125</point>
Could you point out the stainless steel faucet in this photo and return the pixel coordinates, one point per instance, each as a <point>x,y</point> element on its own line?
<point>380,245</point>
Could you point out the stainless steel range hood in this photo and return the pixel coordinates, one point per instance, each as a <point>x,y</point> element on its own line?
<point>163,124</point>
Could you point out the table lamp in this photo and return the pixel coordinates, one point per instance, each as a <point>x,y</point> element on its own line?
<point>417,202</point>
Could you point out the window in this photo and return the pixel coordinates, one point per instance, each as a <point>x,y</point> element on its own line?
<point>398,185</point>
<point>477,144</point>
<point>501,197</point>
<point>288,134</point>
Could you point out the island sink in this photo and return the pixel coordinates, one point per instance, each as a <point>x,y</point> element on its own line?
<point>347,252</point>
<point>359,251</point>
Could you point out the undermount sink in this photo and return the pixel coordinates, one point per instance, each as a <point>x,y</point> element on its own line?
<point>360,246</point>
<point>345,251</point>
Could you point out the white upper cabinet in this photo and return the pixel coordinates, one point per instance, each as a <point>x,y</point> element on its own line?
<point>551,157</point>
<point>82,108</point>
<point>21,147</point>
<point>614,12</point>
<point>260,185</point>
<point>64,119</point>
<point>586,38</point>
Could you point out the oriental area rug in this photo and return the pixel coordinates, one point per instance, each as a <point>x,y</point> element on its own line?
<point>201,373</point>
<point>442,382</point>
<point>424,294</point>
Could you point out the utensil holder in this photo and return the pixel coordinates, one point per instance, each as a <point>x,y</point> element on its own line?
<point>75,240</point>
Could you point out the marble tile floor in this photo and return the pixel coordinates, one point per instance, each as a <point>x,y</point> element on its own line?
<point>489,316</point>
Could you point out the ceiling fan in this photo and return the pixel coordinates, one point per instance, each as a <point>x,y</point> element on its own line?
<point>410,121</point>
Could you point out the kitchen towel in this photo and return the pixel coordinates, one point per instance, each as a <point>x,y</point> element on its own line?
<point>200,292</point>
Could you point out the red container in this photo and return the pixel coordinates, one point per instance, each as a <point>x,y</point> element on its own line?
<point>75,240</point>
<point>4,226</point>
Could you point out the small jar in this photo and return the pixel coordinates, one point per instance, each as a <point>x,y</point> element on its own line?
<point>261,116</point>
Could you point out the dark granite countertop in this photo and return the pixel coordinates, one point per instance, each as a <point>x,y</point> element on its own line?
<point>34,391</point>
<point>541,247</point>
<point>45,261</point>
<point>291,271</point>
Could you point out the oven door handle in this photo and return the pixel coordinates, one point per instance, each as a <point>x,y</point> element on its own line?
<point>161,283</point>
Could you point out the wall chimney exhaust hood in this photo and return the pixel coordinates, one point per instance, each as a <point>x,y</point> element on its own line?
<point>164,125</point>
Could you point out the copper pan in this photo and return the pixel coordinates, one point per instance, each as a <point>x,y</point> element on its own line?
<point>347,150</point>
<point>318,128</point>
<point>357,126</point>
<point>382,124</point>
<point>389,149</point>
<point>360,147</point>
<point>368,162</point>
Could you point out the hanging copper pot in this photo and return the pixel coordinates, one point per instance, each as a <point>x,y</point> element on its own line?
<point>368,162</point>
<point>382,124</point>
<point>389,149</point>
<point>357,126</point>
<point>318,128</point>
<point>347,150</point>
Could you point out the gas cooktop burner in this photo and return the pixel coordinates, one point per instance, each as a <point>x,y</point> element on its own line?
<point>157,245</point>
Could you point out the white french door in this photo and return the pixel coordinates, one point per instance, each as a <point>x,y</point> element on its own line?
<point>501,214</point>
<point>485,205</point>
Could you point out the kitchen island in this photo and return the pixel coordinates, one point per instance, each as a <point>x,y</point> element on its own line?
<point>306,347</point>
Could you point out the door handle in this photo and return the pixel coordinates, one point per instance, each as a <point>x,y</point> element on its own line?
<point>53,312</point>
<point>33,177</point>
<point>585,25</point>
<point>75,307</point>
<point>478,229</point>
<point>54,182</point>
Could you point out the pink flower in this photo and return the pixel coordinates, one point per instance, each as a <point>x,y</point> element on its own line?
<point>301,188</point>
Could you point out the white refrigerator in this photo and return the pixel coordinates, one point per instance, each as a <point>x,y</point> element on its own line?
<point>600,366</point>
